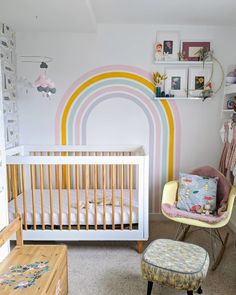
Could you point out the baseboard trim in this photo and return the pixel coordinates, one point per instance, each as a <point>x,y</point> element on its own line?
<point>157,217</point>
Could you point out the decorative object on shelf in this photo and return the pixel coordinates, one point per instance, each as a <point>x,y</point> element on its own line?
<point>167,44</point>
<point>182,56</point>
<point>158,52</point>
<point>204,54</point>
<point>231,103</point>
<point>194,51</point>
<point>230,78</point>
<point>176,82</point>
<point>42,83</point>
<point>157,80</point>
<point>207,91</point>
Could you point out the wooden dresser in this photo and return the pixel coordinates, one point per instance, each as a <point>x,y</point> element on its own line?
<point>33,269</point>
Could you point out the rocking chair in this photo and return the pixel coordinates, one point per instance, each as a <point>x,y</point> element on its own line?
<point>170,196</point>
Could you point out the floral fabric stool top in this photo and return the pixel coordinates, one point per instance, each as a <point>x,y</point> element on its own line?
<point>175,264</point>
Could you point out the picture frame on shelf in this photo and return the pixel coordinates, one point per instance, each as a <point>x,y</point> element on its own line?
<point>189,49</point>
<point>176,82</point>
<point>169,42</point>
<point>197,80</point>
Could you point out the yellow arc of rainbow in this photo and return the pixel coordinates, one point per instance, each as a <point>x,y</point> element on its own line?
<point>131,76</point>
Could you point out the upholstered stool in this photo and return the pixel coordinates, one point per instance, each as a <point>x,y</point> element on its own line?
<point>175,264</point>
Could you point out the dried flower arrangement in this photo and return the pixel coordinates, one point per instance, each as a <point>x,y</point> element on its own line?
<point>158,78</point>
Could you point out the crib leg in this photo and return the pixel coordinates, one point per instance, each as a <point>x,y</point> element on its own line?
<point>140,246</point>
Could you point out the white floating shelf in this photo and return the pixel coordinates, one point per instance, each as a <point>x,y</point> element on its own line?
<point>184,63</point>
<point>230,89</point>
<point>179,98</point>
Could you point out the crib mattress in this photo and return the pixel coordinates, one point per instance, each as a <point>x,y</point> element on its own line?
<point>91,207</point>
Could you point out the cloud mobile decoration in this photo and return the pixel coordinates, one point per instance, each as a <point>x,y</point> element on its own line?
<point>42,83</point>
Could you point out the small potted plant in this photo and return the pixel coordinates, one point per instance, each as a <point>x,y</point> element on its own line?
<point>158,79</point>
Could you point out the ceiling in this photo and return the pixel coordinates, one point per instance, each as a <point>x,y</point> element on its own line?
<point>48,15</point>
<point>84,15</point>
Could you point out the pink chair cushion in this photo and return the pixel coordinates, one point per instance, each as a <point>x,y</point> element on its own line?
<point>172,211</point>
<point>223,186</point>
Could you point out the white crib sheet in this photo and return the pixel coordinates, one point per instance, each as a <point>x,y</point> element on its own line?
<point>126,211</point>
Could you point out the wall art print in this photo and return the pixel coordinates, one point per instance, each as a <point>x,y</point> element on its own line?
<point>8,73</point>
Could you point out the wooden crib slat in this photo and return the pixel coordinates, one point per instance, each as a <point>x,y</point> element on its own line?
<point>42,195</point>
<point>68,195</point>
<point>95,195</point>
<point>122,197</point>
<point>36,173</point>
<point>87,195</point>
<point>9,179</point>
<point>110,180</point>
<point>83,173</point>
<point>99,173</point>
<point>64,181</point>
<point>56,172</point>
<point>117,176</point>
<point>15,190</point>
<point>50,194</point>
<point>24,196</point>
<point>97,154</point>
<point>130,196</point>
<point>60,195</point>
<point>18,181</point>
<point>77,195</point>
<point>113,196</point>
<point>104,197</point>
<point>32,174</point>
<point>90,172</point>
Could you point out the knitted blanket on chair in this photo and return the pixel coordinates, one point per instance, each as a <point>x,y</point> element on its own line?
<point>172,211</point>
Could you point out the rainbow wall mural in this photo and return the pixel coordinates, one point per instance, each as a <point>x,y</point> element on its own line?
<point>133,84</point>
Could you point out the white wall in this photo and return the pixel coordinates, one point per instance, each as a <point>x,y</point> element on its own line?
<point>74,54</point>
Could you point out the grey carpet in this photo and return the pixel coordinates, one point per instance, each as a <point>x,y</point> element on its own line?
<point>102,268</point>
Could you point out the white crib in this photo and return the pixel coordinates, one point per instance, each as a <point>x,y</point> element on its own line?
<point>79,192</point>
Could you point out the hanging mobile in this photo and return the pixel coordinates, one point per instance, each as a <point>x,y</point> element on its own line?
<point>42,83</point>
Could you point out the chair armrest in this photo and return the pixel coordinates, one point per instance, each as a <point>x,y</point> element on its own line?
<point>231,199</point>
<point>170,192</point>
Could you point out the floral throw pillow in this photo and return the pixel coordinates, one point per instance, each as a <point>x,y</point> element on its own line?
<point>197,194</point>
